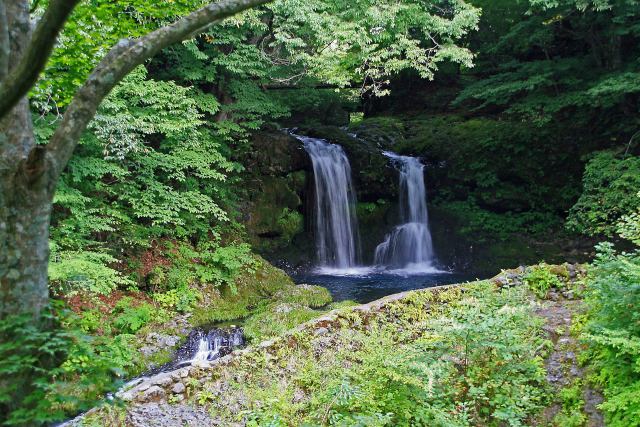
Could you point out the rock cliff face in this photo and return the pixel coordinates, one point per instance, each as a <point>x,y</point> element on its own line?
<point>274,186</point>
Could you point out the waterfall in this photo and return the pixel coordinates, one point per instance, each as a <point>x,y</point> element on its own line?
<point>336,227</point>
<point>408,246</point>
<point>206,346</point>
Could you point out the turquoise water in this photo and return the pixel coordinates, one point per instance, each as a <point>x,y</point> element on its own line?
<point>365,285</point>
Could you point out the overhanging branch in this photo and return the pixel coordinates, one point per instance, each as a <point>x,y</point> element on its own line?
<point>25,74</point>
<point>120,61</point>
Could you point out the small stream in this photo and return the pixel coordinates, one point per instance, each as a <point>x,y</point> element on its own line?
<point>203,345</point>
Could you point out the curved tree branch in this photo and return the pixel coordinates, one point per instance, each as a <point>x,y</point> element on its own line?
<point>25,74</point>
<point>121,60</point>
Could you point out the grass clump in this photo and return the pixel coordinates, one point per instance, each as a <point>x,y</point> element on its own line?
<point>277,319</point>
<point>542,278</point>
<point>571,414</point>
<point>310,295</point>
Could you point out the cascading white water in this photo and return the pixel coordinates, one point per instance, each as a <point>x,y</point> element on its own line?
<point>409,245</point>
<point>336,224</point>
<point>215,343</point>
<point>203,351</point>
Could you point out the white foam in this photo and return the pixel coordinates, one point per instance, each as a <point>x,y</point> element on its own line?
<point>351,271</point>
<point>412,269</point>
<point>416,269</point>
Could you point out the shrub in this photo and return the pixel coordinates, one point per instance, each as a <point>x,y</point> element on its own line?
<point>69,371</point>
<point>613,333</point>
<point>129,318</point>
<point>610,186</point>
<point>182,299</point>
<point>629,226</point>
<point>206,264</point>
<point>540,279</point>
<point>290,223</point>
<point>84,271</point>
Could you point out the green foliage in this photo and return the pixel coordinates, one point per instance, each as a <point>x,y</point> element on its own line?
<point>369,41</point>
<point>129,318</point>
<point>181,299</point>
<point>92,29</point>
<point>613,333</point>
<point>68,370</point>
<point>207,263</point>
<point>540,279</point>
<point>291,223</point>
<point>487,225</point>
<point>610,186</point>
<point>629,226</point>
<point>84,271</point>
<point>533,56</point>
<point>571,414</point>
<point>148,168</point>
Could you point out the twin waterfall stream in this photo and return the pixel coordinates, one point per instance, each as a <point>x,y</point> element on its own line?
<point>406,248</point>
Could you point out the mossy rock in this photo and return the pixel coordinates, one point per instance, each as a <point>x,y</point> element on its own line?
<point>384,131</point>
<point>308,295</point>
<point>250,288</point>
<point>561,271</point>
<point>273,216</point>
<point>274,153</point>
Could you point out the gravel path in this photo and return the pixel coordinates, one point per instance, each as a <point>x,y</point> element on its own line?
<point>562,364</point>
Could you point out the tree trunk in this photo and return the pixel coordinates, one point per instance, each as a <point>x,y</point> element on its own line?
<point>26,192</point>
<point>26,189</point>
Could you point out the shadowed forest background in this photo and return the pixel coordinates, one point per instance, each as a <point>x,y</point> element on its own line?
<point>188,203</point>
